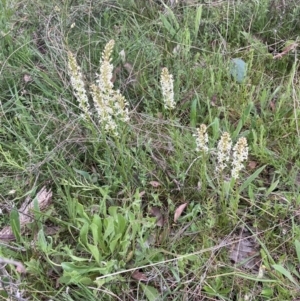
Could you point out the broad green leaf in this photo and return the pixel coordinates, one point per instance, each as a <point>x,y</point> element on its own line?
<point>81,212</point>
<point>251,178</point>
<point>109,227</point>
<point>95,252</point>
<point>216,128</point>
<point>238,69</point>
<point>37,212</point>
<point>193,113</point>
<point>172,31</point>
<point>150,292</point>
<point>83,173</point>
<point>114,242</point>
<point>279,268</point>
<point>95,232</point>
<point>83,233</point>
<point>42,242</point>
<point>297,246</point>
<point>103,245</point>
<point>121,224</point>
<point>113,211</point>
<point>97,221</point>
<point>124,245</point>
<point>267,292</point>
<point>15,223</point>
<point>76,258</point>
<point>83,269</point>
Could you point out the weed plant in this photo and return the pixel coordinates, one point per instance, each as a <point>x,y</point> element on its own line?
<point>168,176</point>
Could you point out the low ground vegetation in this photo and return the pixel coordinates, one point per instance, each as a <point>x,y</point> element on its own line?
<point>149,150</point>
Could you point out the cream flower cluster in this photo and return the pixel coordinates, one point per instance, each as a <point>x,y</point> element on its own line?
<point>166,81</point>
<point>238,154</point>
<point>78,84</point>
<point>110,104</point>
<point>202,139</point>
<point>224,149</point>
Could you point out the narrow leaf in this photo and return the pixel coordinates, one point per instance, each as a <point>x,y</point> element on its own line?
<point>193,113</point>
<point>15,223</point>
<point>197,20</point>
<point>297,246</point>
<point>251,178</point>
<point>279,268</point>
<point>83,173</point>
<point>272,188</point>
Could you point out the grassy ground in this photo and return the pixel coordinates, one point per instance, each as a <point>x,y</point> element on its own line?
<point>109,232</point>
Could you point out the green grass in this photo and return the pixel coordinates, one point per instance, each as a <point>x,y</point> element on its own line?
<point>98,231</point>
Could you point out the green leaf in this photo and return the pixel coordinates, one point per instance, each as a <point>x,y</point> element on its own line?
<point>114,242</point>
<point>83,233</point>
<point>272,188</point>
<point>37,213</point>
<point>95,252</point>
<point>151,292</point>
<point>76,258</point>
<point>197,21</point>
<point>238,69</point>
<point>42,242</point>
<point>83,173</point>
<point>168,26</point>
<point>193,113</point>
<point>102,281</point>
<point>15,223</point>
<point>96,231</point>
<point>216,128</point>
<point>279,268</point>
<point>110,228</point>
<point>121,224</point>
<point>113,211</point>
<point>297,246</point>
<point>81,212</point>
<point>97,221</point>
<point>251,178</point>
<point>242,121</point>
<point>83,269</point>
